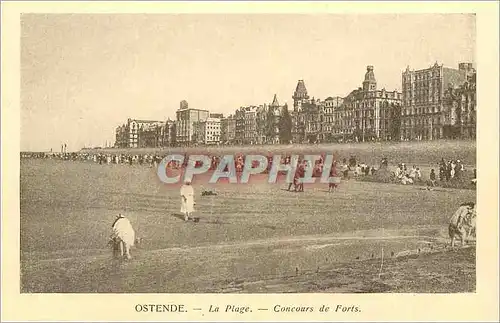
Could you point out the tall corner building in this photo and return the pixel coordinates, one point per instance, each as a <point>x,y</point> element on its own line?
<point>228,130</point>
<point>300,95</point>
<point>368,113</point>
<point>426,112</point>
<point>186,117</point>
<point>300,98</point>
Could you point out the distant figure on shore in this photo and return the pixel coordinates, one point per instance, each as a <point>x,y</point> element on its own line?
<point>299,176</point>
<point>432,178</point>
<point>418,175</point>
<point>384,163</point>
<point>333,173</point>
<point>187,200</point>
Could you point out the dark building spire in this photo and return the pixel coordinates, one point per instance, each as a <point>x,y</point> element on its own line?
<point>300,91</point>
<point>275,102</point>
<point>299,95</point>
<point>370,83</point>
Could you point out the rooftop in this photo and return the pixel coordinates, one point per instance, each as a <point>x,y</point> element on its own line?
<point>145,121</point>
<point>300,90</point>
<point>275,102</point>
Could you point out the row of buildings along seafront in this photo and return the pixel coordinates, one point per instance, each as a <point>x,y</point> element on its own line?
<point>439,102</point>
<point>435,103</point>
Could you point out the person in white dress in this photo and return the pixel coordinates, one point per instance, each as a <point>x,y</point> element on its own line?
<point>187,200</point>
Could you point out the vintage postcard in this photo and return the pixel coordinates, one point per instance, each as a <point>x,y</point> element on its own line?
<point>249,161</point>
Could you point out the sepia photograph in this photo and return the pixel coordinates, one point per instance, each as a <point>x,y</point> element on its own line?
<point>387,113</point>
<point>175,161</point>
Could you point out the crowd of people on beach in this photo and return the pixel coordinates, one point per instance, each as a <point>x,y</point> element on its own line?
<point>344,169</point>
<point>406,176</point>
<point>100,158</point>
<point>155,159</point>
<point>450,169</point>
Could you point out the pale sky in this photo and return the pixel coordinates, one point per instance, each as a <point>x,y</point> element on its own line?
<point>83,75</point>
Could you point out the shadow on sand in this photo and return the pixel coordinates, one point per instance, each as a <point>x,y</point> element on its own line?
<point>199,220</point>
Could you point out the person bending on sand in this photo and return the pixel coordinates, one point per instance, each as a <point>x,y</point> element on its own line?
<point>460,223</point>
<point>187,200</point>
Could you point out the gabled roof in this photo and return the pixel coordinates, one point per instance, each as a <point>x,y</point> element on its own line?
<point>300,90</point>
<point>145,121</point>
<point>301,87</point>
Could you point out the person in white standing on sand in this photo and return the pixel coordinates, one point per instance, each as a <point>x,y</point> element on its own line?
<point>187,200</point>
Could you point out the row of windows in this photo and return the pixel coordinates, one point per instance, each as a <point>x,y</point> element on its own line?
<point>346,131</point>
<point>419,86</point>
<point>421,110</point>
<point>421,100</point>
<point>386,95</point>
<point>421,76</point>
<point>421,92</point>
<point>352,122</point>
<point>424,121</point>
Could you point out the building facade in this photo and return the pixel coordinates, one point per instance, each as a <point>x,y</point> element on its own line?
<point>468,108</point>
<point>330,106</point>
<point>239,131</point>
<point>312,112</point>
<point>298,116</point>
<point>186,117</point>
<point>228,130</point>
<point>139,134</point>
<point>272,122</point>
<point>121,136</point>
<point>435,103</point>
<point>246,125</point>
<point>367,113</point>
<point>261,124</point>
<point>254,125</point>
<point>460,110</point>
<point>207,132</point>
<point>224,126</point>
<point>210,131</point>
<point>197,136</point>
<point>169,134</point>
<point>216,115</point>
<point>250,134</point>
<point>425,113</point>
